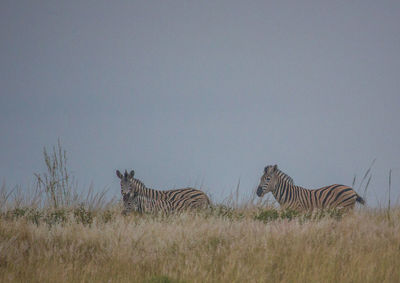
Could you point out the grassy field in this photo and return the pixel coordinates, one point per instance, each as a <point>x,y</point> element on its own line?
<point>50,233</point>
<point>222,245</point>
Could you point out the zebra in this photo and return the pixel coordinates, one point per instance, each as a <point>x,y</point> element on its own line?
<point>297,198</point>
<point>136,196</point>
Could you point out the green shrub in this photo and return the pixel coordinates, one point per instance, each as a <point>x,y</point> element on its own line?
<point>58,216</point>
<point>15,213</point>
<point>226,212</point>
<point>289,214</point>
<point>267,215</point>
<point>82,215</point>
<point>107,216</point>
<point>34,216</point>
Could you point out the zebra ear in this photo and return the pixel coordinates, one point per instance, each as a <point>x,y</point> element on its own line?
<point>132,174</point>
<point>266,169</point>
<point>119,175</point>
<point>275,168</point>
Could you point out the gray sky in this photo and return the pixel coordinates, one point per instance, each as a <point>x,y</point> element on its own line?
<point>202,92</point>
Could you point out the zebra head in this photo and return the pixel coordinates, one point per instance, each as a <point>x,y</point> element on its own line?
<point>126,180</point>
<point>268,180</point>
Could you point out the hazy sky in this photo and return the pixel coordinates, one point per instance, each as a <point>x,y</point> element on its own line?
<point>191,93</point>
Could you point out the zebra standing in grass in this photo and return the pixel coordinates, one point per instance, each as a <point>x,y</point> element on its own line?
<point>137,196</point>
<point>297,198</point>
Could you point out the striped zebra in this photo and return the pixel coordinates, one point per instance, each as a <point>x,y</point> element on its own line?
<point>297,198</point>
<point>143,204</point>
<point>137,196</point>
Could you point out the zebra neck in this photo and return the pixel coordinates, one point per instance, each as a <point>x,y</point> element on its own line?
<point>142,190</point>
<point>285,191</point>
<point>139,203</point>
<point>284,177</point>
<point>143,203</point>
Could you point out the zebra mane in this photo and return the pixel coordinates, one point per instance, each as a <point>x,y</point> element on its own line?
<point>137,183</point>
<point>142,190</point>
<point>284,177</point>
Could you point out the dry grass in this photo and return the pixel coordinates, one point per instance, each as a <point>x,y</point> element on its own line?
<point>224,245</point>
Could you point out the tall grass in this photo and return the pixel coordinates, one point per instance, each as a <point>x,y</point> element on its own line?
<point>203,247</point>
<point>390,187</point>
<point>53,189</point>
<point>367,174</point>
<point>55,182</point>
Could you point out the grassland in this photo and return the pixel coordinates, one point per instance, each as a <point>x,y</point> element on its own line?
<point>222,245</point>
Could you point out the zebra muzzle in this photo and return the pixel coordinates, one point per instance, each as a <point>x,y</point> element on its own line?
<point>259,191</point>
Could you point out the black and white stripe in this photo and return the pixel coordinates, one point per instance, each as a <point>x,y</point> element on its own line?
<point>143,204</point>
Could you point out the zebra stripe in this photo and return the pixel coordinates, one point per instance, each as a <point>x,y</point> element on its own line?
<point>135,192</point>
<point>295,197</point>
<point>143,204</point>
